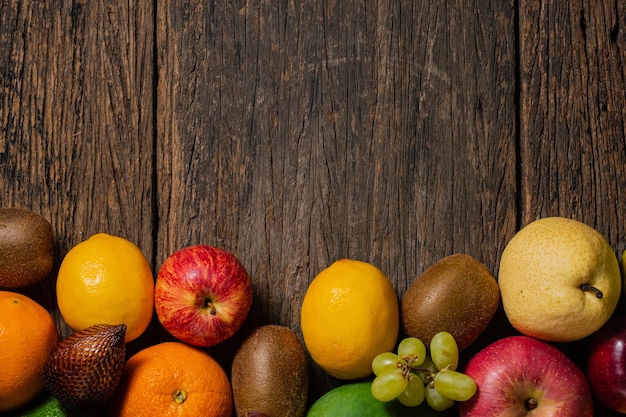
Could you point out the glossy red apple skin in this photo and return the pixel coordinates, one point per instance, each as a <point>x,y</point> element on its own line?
<point>606,364</point>
<point>202,295</point>
<point>513,370</point>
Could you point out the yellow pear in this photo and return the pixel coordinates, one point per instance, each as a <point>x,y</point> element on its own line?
<point>559,280</point>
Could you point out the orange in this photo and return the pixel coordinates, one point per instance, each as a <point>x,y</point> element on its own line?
<point>349,315</point>
<point>173,379</point>
<point>106,280</point>
<point>27,336</point>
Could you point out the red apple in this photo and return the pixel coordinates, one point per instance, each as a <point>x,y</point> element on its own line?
<point>606,365</point>
<point>202,295</point>
<point>522,376</point>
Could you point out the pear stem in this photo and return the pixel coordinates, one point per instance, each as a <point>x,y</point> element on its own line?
<point>587,287</point>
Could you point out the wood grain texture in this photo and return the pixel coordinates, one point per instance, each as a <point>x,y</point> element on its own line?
<point>296,133</point>
<point>573,113</point>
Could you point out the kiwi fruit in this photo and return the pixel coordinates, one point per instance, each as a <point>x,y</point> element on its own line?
<point>456,294</point>
<point>270,374</point>
<point>26,248</point>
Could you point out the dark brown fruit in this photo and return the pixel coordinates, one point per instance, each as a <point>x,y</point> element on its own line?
<point>270,374</point>
<point>85,368</point>
<point>457,294</point>
<point>26,248</point>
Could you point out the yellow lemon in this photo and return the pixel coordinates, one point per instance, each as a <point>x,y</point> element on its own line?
<point>106,280</point>
<point>349,315</point>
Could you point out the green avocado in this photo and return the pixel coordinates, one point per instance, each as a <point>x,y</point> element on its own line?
<point>47,405</point>
<point>356,400</point>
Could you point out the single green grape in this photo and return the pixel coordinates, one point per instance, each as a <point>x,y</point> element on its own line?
<point>384,362</point>
<point>388,385</point>
<point>444,351</point>
<point>455,385</point>
<point>436,400</point>
<point>414,393</point>
<point>412,347</point>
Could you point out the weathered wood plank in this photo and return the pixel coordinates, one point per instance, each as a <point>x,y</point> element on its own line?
<point>573,113</point>
<point>573,118</point>
<point>76,111</point>
<point>294,134</point>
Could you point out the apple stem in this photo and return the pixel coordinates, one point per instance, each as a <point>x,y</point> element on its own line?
<point>211,308</point>
<point>587,287</point>
<point>206,303</point>
<point>531,403</point>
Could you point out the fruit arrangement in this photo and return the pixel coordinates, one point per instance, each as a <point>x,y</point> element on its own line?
<point>559,281</point>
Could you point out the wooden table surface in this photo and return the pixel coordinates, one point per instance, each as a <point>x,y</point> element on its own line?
<point>295,133</point>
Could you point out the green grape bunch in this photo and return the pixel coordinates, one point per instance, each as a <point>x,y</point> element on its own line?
<point>413,375</point>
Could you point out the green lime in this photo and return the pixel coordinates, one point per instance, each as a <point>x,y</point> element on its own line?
<point>47,405</point>
<point>356,400</point>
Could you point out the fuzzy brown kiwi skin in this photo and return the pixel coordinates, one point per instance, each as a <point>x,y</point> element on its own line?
<point>26,248</point>
<point>270,374</point>
<point>457,294</point>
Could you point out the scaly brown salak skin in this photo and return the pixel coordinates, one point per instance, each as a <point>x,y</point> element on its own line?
<point>85,368</point>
